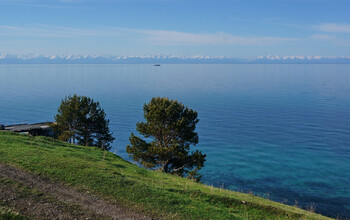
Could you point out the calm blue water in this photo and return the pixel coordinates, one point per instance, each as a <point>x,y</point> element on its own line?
<point>281,130</point>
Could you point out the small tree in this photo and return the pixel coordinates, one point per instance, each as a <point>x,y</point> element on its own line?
<point>81,120</point>
<point>172,127</point>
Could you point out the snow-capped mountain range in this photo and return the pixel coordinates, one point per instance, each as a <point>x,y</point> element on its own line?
<point>164,59</point>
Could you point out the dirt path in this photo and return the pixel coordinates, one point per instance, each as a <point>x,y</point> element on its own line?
<point>36,205</point>
<point>55,201</point>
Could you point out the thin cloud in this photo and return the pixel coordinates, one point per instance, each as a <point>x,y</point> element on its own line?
<point>8,27</point>
<point>269,21</point>
<point>175,38</point>
<point>334,40</point>
<point>54,4</point>
<point>333,27</point>
<point>322,37</point>
<point>54,32</point>
<point>154,37</point>
<point>336,34</point>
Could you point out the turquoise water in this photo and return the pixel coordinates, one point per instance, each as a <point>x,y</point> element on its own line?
<point>281,131</point>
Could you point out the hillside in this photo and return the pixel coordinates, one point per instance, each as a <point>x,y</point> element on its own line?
<point>106,180</point>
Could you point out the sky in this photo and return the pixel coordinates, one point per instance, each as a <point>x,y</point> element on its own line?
<point>234,28</point>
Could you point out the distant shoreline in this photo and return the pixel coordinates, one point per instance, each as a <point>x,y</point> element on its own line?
<point>174,63</point>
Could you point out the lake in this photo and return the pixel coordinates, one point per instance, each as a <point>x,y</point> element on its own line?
<point>278,131</point>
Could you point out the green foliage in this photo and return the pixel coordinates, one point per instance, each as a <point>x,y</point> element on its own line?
<point>7,214</point>
<point>81,120</point>
<point>156,194</point>
<point>172,127</point>
<point>11,216</point>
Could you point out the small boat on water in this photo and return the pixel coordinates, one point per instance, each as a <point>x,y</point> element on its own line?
<point>156,64</point>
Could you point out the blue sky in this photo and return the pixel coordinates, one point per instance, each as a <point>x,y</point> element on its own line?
<point>236,28</point>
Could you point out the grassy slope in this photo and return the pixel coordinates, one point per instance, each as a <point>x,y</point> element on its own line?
<point>153,193</point>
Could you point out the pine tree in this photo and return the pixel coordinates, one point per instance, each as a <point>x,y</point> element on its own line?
<point>81,120</point>
<point>172,126</point>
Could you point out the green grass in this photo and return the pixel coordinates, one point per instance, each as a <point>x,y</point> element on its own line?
<point>8,214</point>
<point>153,193</point>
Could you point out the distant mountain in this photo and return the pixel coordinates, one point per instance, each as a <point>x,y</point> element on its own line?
<point>89,59</point>
<point>302,60</point>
